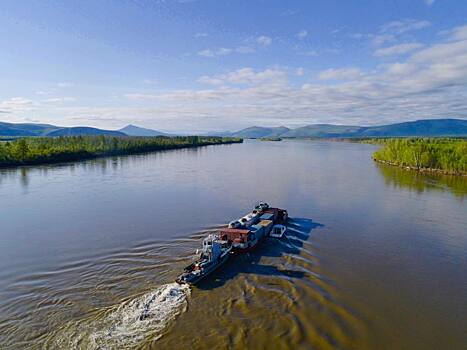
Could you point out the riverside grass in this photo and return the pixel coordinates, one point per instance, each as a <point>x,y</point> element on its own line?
<point>42,150</point>
<point>446,155</point>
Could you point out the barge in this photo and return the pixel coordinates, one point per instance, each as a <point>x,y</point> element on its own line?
<point>240,236</point>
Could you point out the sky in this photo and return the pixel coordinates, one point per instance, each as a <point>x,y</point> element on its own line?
<point>212,65</point>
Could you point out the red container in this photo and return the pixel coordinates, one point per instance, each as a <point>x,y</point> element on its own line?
<point>235,234</point>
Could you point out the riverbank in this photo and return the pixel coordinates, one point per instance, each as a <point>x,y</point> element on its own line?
<point>47,150</point>
<point>422,170</point>
<point>440,155</point>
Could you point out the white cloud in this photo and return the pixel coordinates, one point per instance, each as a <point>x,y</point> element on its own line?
<point>392,31</point>
<point>201,35</point>
<point>381,39</point>
<point>245,49</point>
<point>249,45</point>
<point>302,34</point>
<point>398,49</point>
<point>215,52</point>
<point>457,33</point>
<point>299,72</point>
<point>60,99</point>
<point>403,26</point>
<point>264,40</point>
<point>205,79</point>
<point>247,76</point>
<point>16,104</point>
<point>340,74</point>
<point>429,2</point>
<point>65,84</point>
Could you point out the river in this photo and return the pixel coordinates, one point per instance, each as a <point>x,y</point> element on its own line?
<point>375,257</point>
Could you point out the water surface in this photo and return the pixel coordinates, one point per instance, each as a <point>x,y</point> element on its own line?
<point>375,256</point>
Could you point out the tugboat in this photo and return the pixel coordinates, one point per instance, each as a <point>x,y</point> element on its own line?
<point>215,252</point>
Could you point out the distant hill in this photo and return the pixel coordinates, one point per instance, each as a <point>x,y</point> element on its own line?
<point>218,133</point>
<point>323,130</point>
<point>434,127</point>
<point>25,129</point>
<point>258,132</point>
<point>133,130</point>
<point>429,127</point>
<point>84,131</point>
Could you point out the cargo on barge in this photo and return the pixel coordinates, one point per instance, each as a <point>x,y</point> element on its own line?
<point>247,232</point>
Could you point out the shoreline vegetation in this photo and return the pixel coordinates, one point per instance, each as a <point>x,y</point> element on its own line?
<point>47,150</point>
<point>270,139</point>
<point>433,155</point>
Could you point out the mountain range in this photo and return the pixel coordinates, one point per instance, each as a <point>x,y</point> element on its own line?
<point>29,129</point>
<point>429,127</point>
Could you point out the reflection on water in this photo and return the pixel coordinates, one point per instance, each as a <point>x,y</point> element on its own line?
<point>421,182</point>
<point>97,164</point>
<point>89,252</point>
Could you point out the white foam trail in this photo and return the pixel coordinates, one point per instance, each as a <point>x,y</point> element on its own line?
<point>129,323</point>
<point>147,315</point>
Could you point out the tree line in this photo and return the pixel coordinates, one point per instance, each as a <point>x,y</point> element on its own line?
<point>37,150</point>
<point>445,154</point>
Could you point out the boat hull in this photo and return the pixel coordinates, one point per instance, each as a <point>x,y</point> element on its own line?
<point>208,271</point>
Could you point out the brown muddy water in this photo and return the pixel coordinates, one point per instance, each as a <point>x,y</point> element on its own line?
<point>375,256</point>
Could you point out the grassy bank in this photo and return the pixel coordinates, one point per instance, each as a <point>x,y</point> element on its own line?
<point>446,155</point>
<point>41,150</point>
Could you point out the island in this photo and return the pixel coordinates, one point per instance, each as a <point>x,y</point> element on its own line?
<point>270,139</point>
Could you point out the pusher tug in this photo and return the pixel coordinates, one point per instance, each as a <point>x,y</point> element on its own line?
<point>215,252</point>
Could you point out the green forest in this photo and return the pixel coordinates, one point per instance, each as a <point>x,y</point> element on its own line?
<point>445,154</point>
<point>37,150</point>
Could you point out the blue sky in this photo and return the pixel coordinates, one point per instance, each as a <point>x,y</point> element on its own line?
<point>203,65</point>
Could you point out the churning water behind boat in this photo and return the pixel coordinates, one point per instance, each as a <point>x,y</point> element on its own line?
<point>127,324</point>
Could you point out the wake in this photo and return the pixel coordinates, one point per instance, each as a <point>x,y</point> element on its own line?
<point>129,323</point>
